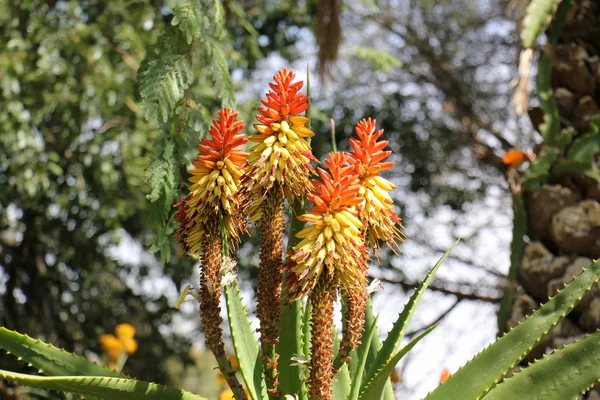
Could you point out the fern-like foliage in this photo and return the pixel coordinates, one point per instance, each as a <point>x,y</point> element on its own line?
<point>164,75</point>
<point>179,78</point>
<point>161,173</point>
<point>166,72</point>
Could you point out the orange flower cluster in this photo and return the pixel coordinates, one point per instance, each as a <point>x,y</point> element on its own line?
<point>216,184</point>
<point>332,246</point>
<point>281,154</point>
<point>376,209</point>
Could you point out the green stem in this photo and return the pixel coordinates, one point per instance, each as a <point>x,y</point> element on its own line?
<point>333,141</point>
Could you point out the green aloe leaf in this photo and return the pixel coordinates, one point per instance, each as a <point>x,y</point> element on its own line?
<point>362,361</point>
<point>517,249</point>
<point>565,374</point>
<point>374,348</point>
<point>374,388</point>
<point>290,345</point>
<point>395,336</point>
<point>48,359</point>
<point>102,387</point>
<point>245,344</point>
<point>485,370</point>
<point>341,382</point>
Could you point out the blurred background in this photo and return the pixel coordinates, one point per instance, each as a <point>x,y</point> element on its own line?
<point>82,247</point>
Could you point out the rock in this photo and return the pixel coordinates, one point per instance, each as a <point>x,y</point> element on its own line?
<point>523,305</point>
<point>566,332</point>
<point>543,204</point>
<point>590,317</point>
<point>572,270</point>
<point>593,395</point>
<point>576,228</point>
<point>538,267</point>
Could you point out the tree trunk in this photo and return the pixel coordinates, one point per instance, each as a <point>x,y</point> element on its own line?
<point>563,216</point>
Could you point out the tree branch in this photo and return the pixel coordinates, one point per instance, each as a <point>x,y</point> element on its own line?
<point>437,287</point>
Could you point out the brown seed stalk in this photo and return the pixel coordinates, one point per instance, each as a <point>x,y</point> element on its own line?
<point>268,293</point>
<point>321,363</point>
<point>210,308</point>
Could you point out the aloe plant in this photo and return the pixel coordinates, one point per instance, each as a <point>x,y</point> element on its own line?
<point>483,376</point>
<point>300,353</point>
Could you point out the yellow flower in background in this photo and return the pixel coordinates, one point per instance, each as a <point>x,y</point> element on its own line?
<point>226,395</point>
<point>111,346</point>
<point>125,334</point>
<point>122,343</point>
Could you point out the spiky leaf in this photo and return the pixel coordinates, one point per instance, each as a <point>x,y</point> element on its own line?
<point>486,369</point>
<point>290,345</point>
<point>48,359</point>
<point>341,382</point>
<point>102,387</point>
<point>362,361</point>
<point>374,388</point>
<point>565,374</point>
<point>245,344</point>
<point>517,249</point>
<point>395,336</point>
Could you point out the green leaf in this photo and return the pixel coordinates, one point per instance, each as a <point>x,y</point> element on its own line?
<point>245,344</point>
<point>382,60</point>
<point>395,336</point>
<point>362,361</point>
<point>341,384</point>
<point>537,16</point>
<point>517,249</point>
<point>585,148</point>
<point>161,172</point>
<point>48,359</point>
<point>294,329</point>
<point>374,348</point>
<point>164,75</point>
<point>306,332</point>
<point>486,369</point>
<point>290,345</point>
<point>565,374</point>
<point>102,387</point>
<point>187,17</point>
<point>539,171</point>
<point>374,388</point>
<point>551,125</point>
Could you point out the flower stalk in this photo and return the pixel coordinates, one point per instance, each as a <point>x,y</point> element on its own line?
<point>278,168</point>
<point>322,299</point>
<point>210,307</point>
<point>269,284</point>
<point>210,217</point>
